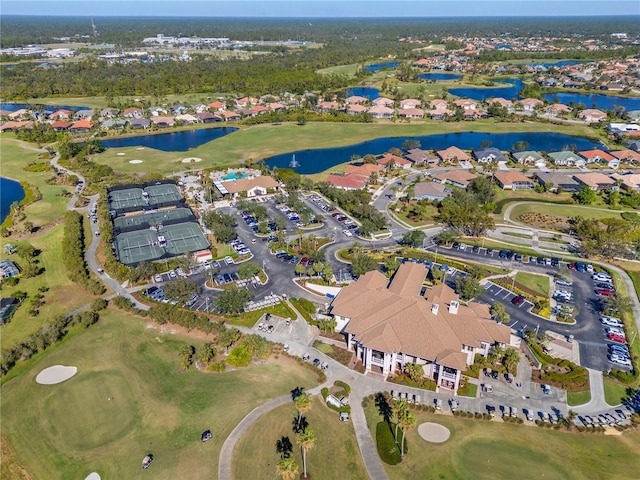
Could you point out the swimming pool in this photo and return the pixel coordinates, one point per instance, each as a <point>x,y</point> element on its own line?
<point>234,176</point>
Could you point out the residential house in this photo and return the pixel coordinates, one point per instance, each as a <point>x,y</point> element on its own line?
<point>229,116</point>
<point>84,114</point>
<point>633,145</point>
<point>366,169</point>
<point>383,102</point>
<point>348,181</point>
<point>380,111</point>
<point>513,181</point>
<point>390,325</point>
<point>157,111</point>
<point>218,106</point>
<point>592,115</point>
<point>503,102</point>
<point>187,118</point>
<point>163,122</point>
<point>251,186</point>
<point>111,123</point>
<point>453,154</point>
<point>137,123</point>
<point>554,180</point>
<point>246,102</point>
<point>411,113</point>
<point>466,104</point>
<point>109,112</point>
<point>430,191</point>
<point>438,103</point>
<point>81,126</point>
<point>396,162</point>
<point>489,154</point>
<point>132,112</point>
<point>19,114</point>
<point>628,181</point>
<point>61,114</point>
<point>410,103</point>
<point>247,112</point>
<point>556,109</point>
<point>566,159</point>
<point>8,269</point>
<point>12,126</point>
<point>356,109</point>
<point>457,178</point>
<point>528,156</point>
<point>599,156</point>
<point>422,157</point>
<point>354,99</point>
<point>440,113</point>
<point>61,125</point>
<point>422,63</point>
<point>276,107</point>
<point>327,107</point>
<point>259,109</point>
<point>595,180</point>
<point>626,155</point>
<point>622,128</point>
<point>530,104</point>
<point>208,117</point>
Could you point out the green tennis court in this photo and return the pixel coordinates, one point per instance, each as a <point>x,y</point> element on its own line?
<point>184,237</point>
<point>125,199</point>
<point>147,220</point>
<point>164,193</point>
<point>138,246</point>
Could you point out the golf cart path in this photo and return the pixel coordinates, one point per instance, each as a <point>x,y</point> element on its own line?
<point>597,402</point>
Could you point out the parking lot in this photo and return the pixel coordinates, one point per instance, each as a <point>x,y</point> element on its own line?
<point>587,330</point>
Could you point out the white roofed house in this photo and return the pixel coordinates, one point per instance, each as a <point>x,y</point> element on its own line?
<point>379,111</point>
<point>592,115</point>
<point>389,325</point>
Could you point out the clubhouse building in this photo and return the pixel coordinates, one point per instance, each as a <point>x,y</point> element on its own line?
<point>391,324</point>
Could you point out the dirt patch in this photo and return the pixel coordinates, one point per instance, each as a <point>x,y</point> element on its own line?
<point>543,220</point>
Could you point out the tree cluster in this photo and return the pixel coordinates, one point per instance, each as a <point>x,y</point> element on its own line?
<point>466,213</point>
<point>73,254</point>
<point>356,202</point>
<point>222,226</point>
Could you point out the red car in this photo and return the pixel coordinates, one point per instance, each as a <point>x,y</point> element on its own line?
<point>572,266</point>
<point>605,292</point>
<point>304,260</point>
<point>616,338</point>
<point>518,300</point>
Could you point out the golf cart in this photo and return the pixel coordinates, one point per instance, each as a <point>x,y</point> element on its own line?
<point>146,461</point>
<point>206,435</point>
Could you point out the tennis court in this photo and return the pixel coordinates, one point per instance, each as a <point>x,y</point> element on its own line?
<point>165,193</point>
<point>138,246</point>
<point>147,220</point>
<point>184,237</point>
<point>126,199</point>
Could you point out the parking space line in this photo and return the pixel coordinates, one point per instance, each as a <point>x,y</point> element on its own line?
<point>507,295</point>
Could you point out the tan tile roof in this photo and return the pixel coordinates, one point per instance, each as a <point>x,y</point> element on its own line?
<point>458,176</point>
<point>453,153</point>
<point>397,319</point>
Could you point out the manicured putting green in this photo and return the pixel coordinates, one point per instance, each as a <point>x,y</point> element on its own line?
<point>92,411</point>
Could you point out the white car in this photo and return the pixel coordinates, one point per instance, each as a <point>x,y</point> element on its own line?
<point>206,266</point>
<point>563,282</point>
<point>228,260</point>
<point>624,361</point>
<point>615,331</point>
<point>451,271</point>
<point>590,268</point>
<point>601,277</point>
<point>611,322</point>
<point>172,274</point>
<point>347,232</point>
<point>158,278</point>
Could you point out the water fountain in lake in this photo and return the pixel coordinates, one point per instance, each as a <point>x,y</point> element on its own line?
<point>294,163</point>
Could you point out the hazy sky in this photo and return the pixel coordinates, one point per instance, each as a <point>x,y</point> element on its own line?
<point>324,8</point>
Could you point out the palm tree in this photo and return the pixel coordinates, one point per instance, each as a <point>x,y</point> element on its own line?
<point>306,439</point>
<point>511,359</point>
<point>303,404</point>
<point>401,411</point>
<point>287,468</point>
<point>407,422</point>
<point>619,303</point>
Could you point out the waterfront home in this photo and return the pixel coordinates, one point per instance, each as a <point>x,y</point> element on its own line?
<point>61,114</point>
<point>626,155</point>
<point>592,115</point>
<point>394,160</point>
<point>383,101</point>
<point>390,325</point>
<point>187,118</point>
<point>513,181</point>
<point>355,99</point>
<point>421,157</point>
<point>366,169</point>
<point>229,116</point>
<point>466,104</point>
<point>380,111</point>
<point>489,154</point>
<point>84,114</point>
<point>140,123</point>
<point>440,113</point>
<point>503,102</point>
<point>410,103</point>
<point>208,117</point>
<point>556,109</point>
<point>411,113</point>
<point>438,103</point>
<point>163,122</point>
<point>528,156</point>
<point>566,159</point>
<point>327,107</point>
<point>348,181</point>
<point>218,106</point>
<point>596,155</point>
<point>530,104</point>
<point>356,109</point>
<point>453,154</point>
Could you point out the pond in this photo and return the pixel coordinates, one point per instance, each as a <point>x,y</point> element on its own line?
<point>318,160</point>
<point>367,92</point>
<point>13,107</point>
<point>375,67</point>
<point>558,64</point>
<point>173,141</point>
<point>595,100</point>
<point>439,76</point>
<point>10,191</point>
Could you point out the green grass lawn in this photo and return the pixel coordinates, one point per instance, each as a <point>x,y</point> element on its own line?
<point>334,456</point>
<point>518,235</point>
<point>263,141</point>
<point>538,283</point>
<point>71,429</point>
<point>578,398</point>
<point>615,392</point>
<point>563,211</point>
<point>348,70</point>
<point>62,297</point>
<point>491,450</point>
<point>14,158</point>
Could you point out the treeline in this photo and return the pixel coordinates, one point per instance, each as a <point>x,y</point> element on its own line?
<point>47,336</point>
<point>356,202</point>
<point>73,254</point>
<point>594,55</point>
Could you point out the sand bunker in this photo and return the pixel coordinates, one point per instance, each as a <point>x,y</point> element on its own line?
<point>434,432</point>
<point>120,154</point>
<point>140,148</point>
<point>92,476</point>
<point>55,374</point>
<point>191,159</point>
<point>135,161</point>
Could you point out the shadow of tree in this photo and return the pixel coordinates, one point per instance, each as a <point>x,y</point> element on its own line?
<point>284,447</point>
<point>384,407</point>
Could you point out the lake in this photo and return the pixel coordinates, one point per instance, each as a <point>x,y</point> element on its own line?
<point>318,160</point>
<point>173,141</point>
<point>12,107</point>
<point>375,67</point>
<point>10,191</point>
<point>561,63</point>
<point>439,76</point>
<point>484,93</point>
<point>367,92</point>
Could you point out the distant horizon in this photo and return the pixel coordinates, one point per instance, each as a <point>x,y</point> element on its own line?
<point>330,9</point>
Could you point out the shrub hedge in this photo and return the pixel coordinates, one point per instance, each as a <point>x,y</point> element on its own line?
<point>387,449</point>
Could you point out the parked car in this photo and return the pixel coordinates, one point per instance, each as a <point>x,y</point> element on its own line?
<point>172,274</point>
<point>604,292</point>
<point>158,278</point>
<point>616,338</point>
<point>624,361</point>
<point>563,282</point>
<point>517,300</point>
<point>611,321</point>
